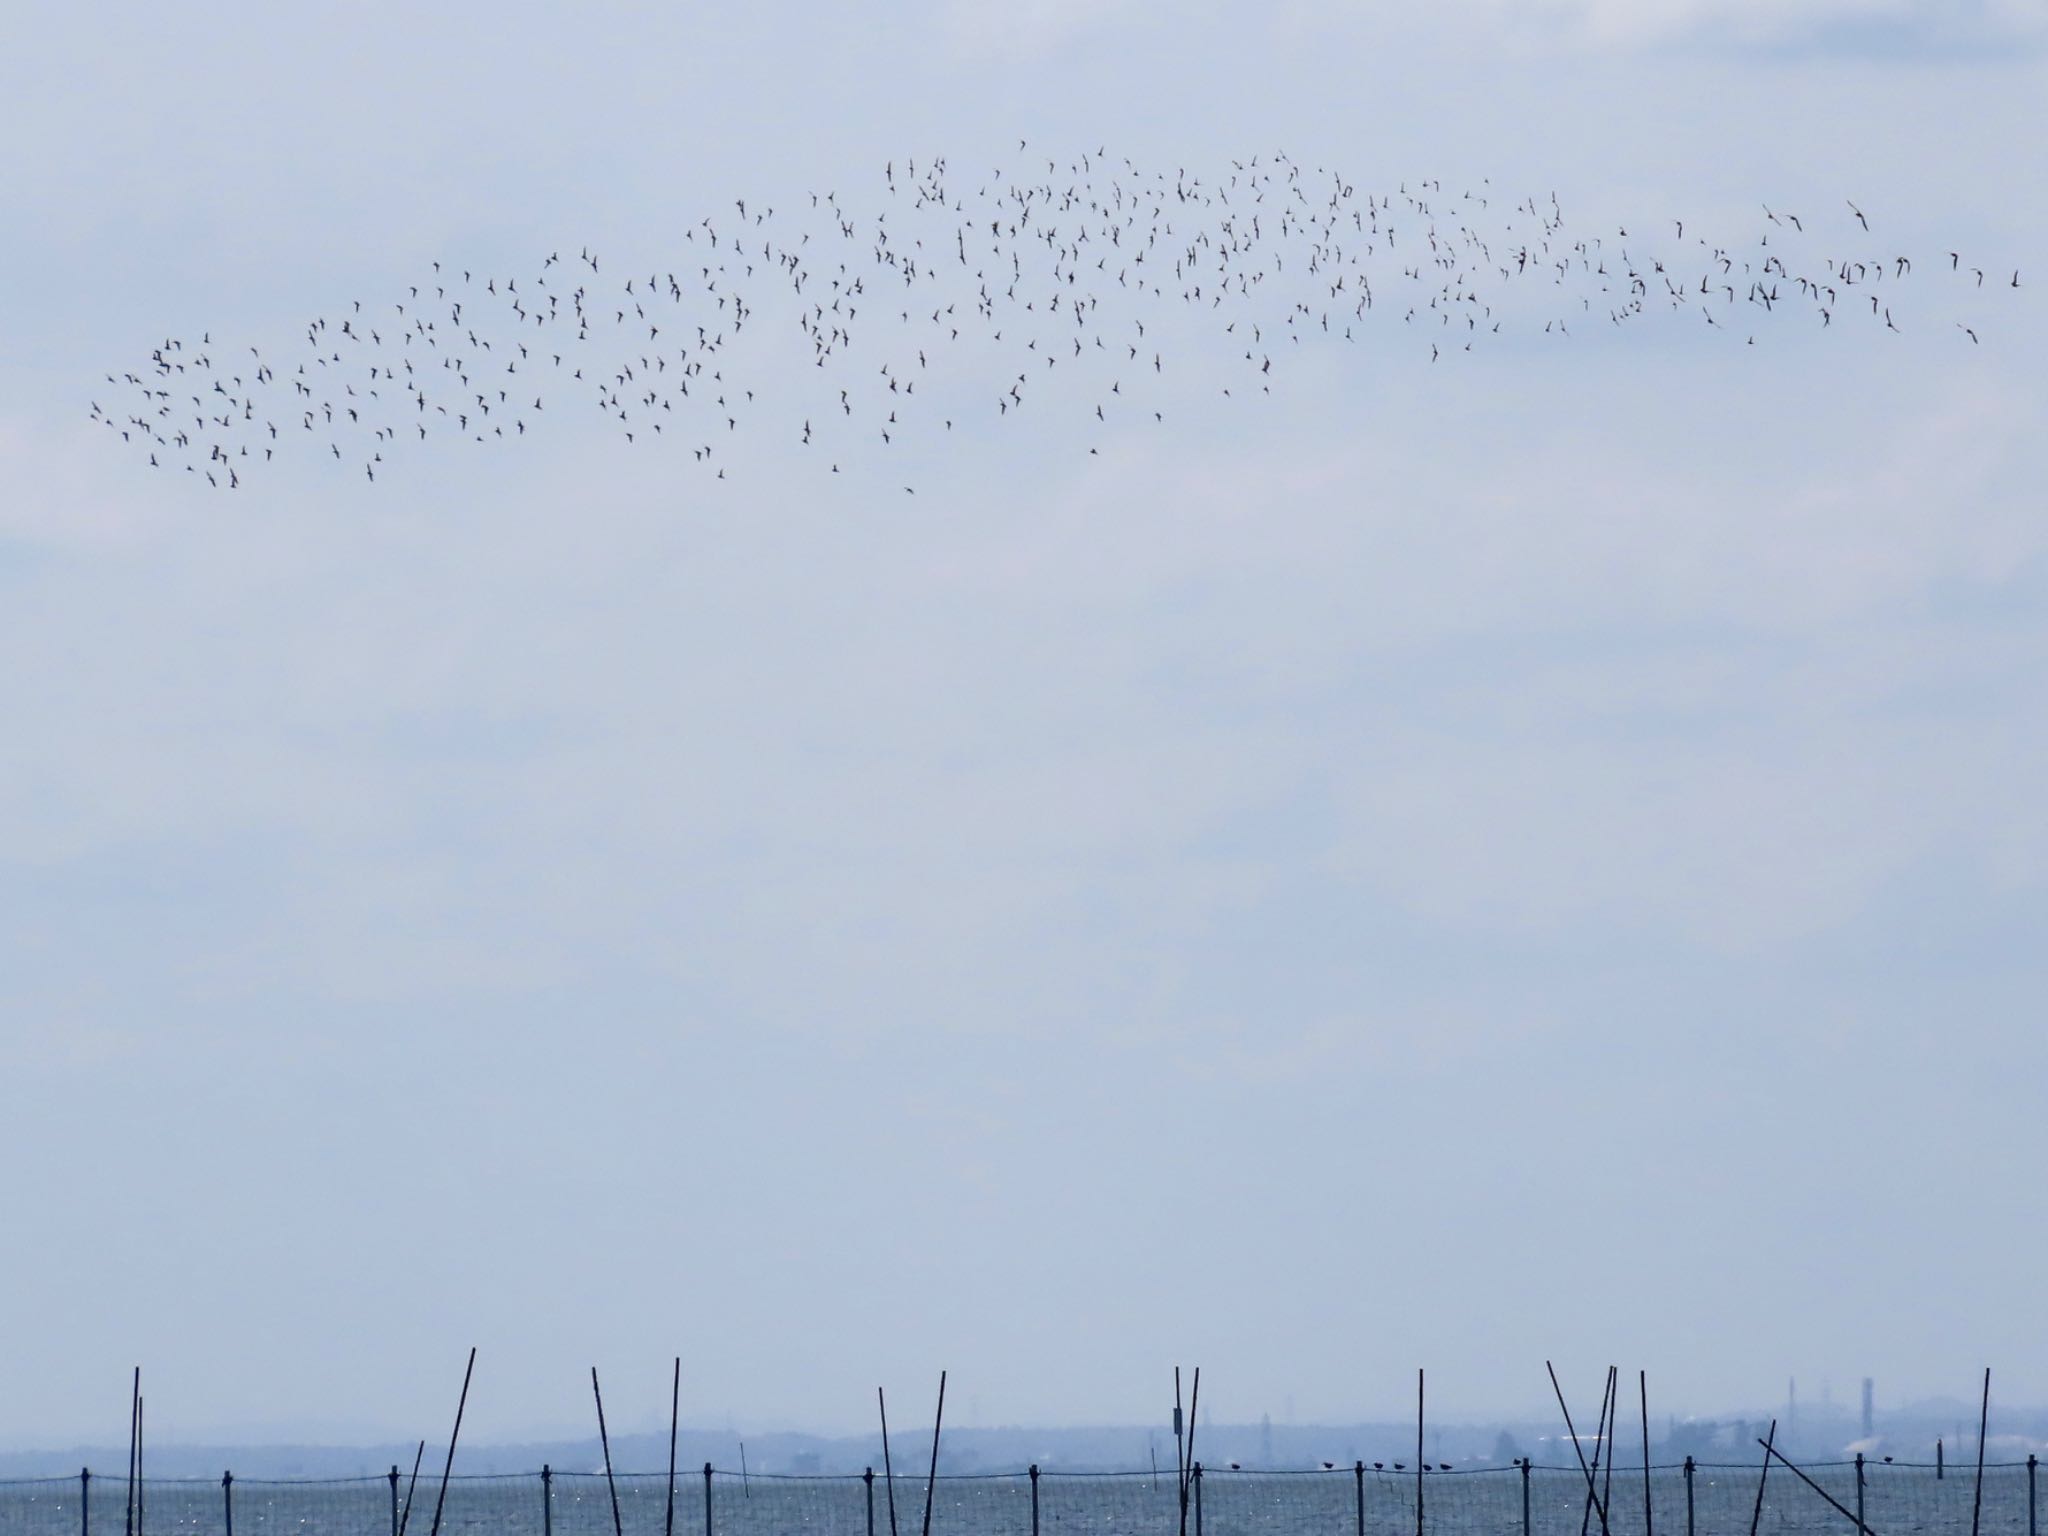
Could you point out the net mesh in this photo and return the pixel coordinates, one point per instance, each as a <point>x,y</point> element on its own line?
<point>45,1506</point>
<point>1913,1501</point>
<point>183,1506</point>
<point>1267,1503</point>
<point>1716,1500</point>
<point>1482,1502</point>
<point>1106,1504</point>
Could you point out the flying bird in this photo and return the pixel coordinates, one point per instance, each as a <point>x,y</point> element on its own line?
<point>956,291</point>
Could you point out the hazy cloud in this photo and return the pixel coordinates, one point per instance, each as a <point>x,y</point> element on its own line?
<point>1858,26</point>
<point>1362,808</point>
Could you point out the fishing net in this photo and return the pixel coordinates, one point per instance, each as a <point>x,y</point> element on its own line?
<point>1722,1500</point>
<point>1557,1501</point>
<point>1915,1501</point>
<point>1268,1503</point>
<point>1107,1504</point>
<point>1559,1506</point>
<point>109,1500</point>
<point>474,1506</point>
<point>580,1503</point>
<point>786,1506</point>
<point>997,1504</point>
<point>46,1506</point>
<point>1897,1500</point>
<point>267,1507</point>
<point>1717,1500</point>
<point>1796,1502</point>
<point>1390,1500</point>
<point>1483,1502</point>
<point>169,1505</point>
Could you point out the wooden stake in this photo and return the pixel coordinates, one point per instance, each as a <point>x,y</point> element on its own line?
<point>1643,1392</point>
<point>1603,1444</point>
<point>1418,1451</point>
<point>1180,1457</point>
<point>1757,1514</point>
<point>675,1397</point>
<point>1577,1450</point>
<point>441,1499</point>
<point>932,1481</point>
<point>888,1472</point>
<point>605,1441</point>
<point>1983,1423</point>
<point>1772,1452</point>
<point>1613,1429</point>
<point>134,1433</point>
<point>405,1519</point>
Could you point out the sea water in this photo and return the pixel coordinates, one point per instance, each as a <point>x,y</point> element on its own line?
<point>1715,1500</point>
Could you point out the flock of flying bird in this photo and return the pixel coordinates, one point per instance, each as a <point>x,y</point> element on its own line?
<point>835,332</point>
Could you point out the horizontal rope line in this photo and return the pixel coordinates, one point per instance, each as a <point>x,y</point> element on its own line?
<point>1960,1474</point>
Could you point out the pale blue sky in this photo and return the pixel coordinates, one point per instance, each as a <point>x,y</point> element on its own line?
<point>1546,860</point>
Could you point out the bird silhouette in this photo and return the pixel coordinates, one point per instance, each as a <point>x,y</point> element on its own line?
<point>953,297</point>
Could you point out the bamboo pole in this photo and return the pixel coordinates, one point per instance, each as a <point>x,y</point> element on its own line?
<point>605,1440</point>
<point>134,1436</point>
<point>675,1398</point>
<point>1771,1453</point>
<point>1757,1515</point>
<point>441,1499</point>
<point>888,1470</point>
<point>1180,1457</point>
<point>932,1479</point>
<point>1643,1392</point>
<point>1419,1464</point>
<point>1577,1450</point>
<point>1983,1423</point>
<point>406,1518</point>
<point>1603,1444</point>
<point>1613,1429</point>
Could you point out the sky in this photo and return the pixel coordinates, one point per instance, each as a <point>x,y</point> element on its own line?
<point>1537,860</point>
